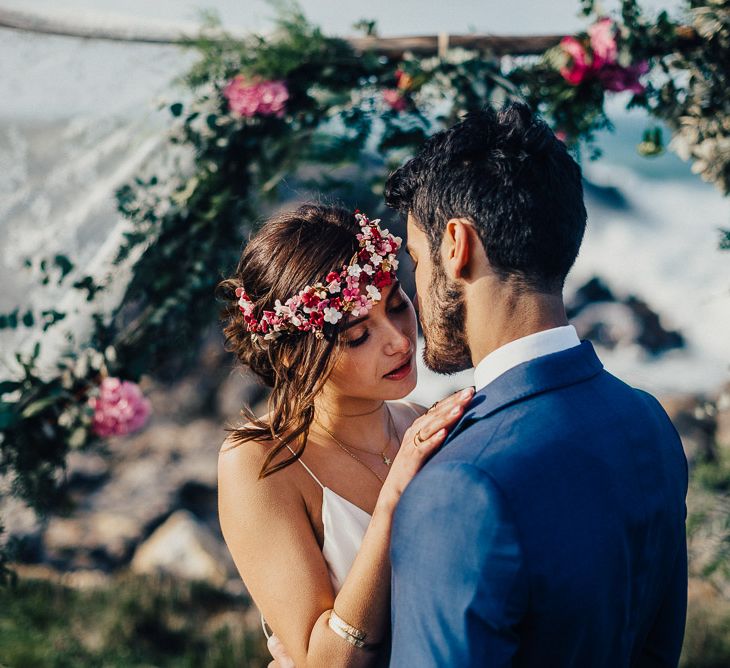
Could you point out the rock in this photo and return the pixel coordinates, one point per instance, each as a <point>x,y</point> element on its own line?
<point>594,291</point>
<point>654,337</point>
<point>186,548</point>
<point>151,474</point>
<point>86,469</point>
<point>608,324</point>
<point>603,318</point>
<point>92,540</point>
<point>696,428</point>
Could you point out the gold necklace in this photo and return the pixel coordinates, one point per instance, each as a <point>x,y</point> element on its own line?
<point>386,460</point>
<point>355,457</point>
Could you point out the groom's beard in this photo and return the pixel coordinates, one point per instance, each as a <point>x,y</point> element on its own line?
<point>444,332</point>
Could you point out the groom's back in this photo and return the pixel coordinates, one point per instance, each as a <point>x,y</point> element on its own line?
<point>592,479</point>
<point>595,476</point>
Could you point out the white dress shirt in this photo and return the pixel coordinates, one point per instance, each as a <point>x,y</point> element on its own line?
<point>523,350</point>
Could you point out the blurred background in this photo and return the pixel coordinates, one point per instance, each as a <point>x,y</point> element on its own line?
<point>137,574</point>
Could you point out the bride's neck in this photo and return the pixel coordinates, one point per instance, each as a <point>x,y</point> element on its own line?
<point>354,419</point>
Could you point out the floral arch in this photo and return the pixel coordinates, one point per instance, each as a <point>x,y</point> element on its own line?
<point>256,111</point>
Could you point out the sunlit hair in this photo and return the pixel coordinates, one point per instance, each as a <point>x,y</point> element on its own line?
<point>291,250</point>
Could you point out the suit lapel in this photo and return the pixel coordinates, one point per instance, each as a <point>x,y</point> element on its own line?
<point>543,374</point>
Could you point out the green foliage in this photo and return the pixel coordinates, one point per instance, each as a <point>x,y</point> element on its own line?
<point>133,621</point>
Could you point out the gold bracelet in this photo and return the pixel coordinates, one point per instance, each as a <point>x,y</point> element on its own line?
<point>346,631</point>
<point>347,628</point>
<point>343,634</point>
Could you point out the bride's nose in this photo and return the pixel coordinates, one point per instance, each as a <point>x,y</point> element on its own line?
<point>398,343</point>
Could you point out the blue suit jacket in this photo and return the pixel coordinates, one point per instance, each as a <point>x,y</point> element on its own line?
<point>548,531</point>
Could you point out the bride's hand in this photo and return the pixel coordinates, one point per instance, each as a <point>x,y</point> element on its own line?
<point>420,441</point>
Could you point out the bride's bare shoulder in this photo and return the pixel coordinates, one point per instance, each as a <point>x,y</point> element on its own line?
<point>240,463</point>
<point>408,409</point>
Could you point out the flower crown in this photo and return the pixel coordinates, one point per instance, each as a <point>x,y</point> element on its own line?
<point>355,289</point>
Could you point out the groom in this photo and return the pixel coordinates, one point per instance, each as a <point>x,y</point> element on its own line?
<point>550,529</point>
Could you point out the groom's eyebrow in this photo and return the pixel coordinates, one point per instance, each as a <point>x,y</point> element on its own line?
<point>357,321</point>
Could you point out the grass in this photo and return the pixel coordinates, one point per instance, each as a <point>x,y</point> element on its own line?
<point>134,621</point>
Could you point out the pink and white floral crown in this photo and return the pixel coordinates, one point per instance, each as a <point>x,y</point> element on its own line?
<point>355,289</point>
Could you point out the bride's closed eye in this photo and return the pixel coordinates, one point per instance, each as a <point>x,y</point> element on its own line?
<point>397,308</point>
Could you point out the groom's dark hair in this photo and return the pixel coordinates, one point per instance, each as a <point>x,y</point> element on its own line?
<point>513,179</point>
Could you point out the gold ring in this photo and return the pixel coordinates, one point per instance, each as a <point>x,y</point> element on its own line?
<point>418,440</point>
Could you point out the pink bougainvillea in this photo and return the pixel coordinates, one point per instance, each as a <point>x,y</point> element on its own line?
<point>603,43</point>
<point>598,59</point>
<point>249,98</point>
<point>616,78</point>
<point>394,99</point>
<point>120,408</point>
<point>577,68</point>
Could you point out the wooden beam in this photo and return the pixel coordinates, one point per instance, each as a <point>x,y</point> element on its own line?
<point>394,47</point>
<point>390,46</point>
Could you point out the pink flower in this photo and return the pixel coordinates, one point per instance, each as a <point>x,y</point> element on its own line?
<point>603,43</point>
<point>618,79</point>
<point>248,98</point>
<point>382,279</point>
<point>578,68</point>
<point>120,408</point>
<point>394,99</point>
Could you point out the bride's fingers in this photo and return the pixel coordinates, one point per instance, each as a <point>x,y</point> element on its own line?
<point>461,398</point>
<point>427,445</point>
<point>444,416</point>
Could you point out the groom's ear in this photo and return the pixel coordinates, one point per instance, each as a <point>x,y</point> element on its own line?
<point>458,248</point>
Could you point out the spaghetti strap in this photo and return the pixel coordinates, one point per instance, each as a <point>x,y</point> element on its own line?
<point>299,459</point>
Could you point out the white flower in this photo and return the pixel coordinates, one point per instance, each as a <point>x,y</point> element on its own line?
<point>376,259</point>
<point>334,287</point>
<point>355,270</point>
<point>281,310</point>
<point>332,315</point>
<point>368,270</point>
<point>370,247</point>
<point>373,293</point>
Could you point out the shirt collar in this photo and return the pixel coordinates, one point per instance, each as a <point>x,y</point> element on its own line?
<point>523,350</point>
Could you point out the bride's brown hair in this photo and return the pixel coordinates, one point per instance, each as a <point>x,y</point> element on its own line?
<point>291,250</point>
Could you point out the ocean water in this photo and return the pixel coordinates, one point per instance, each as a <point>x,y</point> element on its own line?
<point>80,117</point>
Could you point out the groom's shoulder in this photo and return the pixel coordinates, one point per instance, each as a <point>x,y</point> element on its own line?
<point>529,428</point>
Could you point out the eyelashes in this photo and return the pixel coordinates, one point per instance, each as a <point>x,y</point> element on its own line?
<point>359,340</point>
<point>366,335</point>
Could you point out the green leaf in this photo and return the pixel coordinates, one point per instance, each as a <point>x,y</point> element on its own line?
<point>77,438</point>
<point>64,264</point>
<point>37,407</point>
<point>28,319</point>
<point>176,109</point>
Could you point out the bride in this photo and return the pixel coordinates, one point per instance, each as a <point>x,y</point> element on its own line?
<point>307,492</point>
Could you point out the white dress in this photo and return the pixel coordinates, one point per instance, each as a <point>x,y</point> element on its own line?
<point>344,528</point>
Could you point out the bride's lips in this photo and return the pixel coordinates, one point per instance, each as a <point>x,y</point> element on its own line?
<point>402,371</point>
